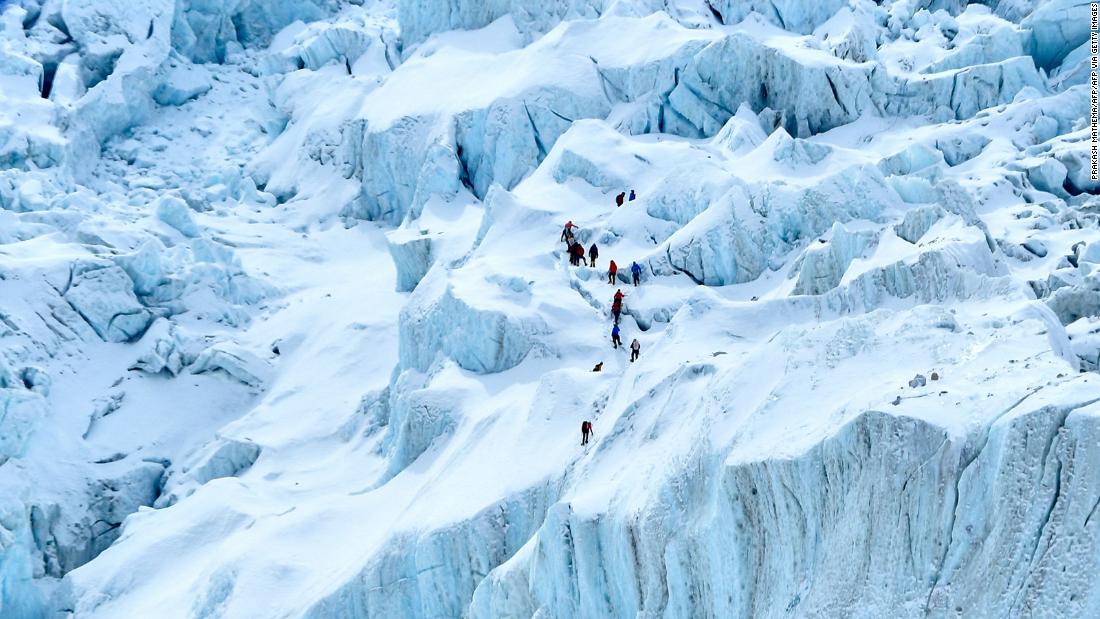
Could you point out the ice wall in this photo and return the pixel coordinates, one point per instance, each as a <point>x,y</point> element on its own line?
<point>889,515</point>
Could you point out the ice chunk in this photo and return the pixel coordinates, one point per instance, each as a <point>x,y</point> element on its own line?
<point>962,147</point>
<point>20,412</point>
<point>1077,161</point>
<point>572,164</point>
<point>163,352</point>
<point>1074,69</point>
<point>68,86</point>
<point>912,158</point>
<point>418,417</point>
<point>222,457</point>
<point>742,132</point>
<point>175,212</point>
<point>181,82</point>
<point>793,151</point>
<point>918,221</point>
<point>913,189</point>
<point>208,31</point>
<point>793,15</point>
<point>731,242</point>
<point>439,320</point>
<point>69,538</point>
<point>1048,176</point>
<point>236,361</point>
<point>420,19</point>
<point>1056,28</point>
<point>104,296</point>
<point>823,265</point>
<point>413,254</point>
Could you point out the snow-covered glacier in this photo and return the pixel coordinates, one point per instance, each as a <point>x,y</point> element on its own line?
<point>288,327</point>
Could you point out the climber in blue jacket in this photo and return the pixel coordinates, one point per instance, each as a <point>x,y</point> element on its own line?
<point>636,271</point>
<point>615,341</point>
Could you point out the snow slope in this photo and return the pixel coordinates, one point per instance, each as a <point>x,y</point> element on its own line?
<point>287,328</point>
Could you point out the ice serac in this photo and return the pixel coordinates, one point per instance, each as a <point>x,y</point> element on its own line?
<point>123,48</point>
<point>498,138</point>
<point>736,239</point>
<point>890,515</point>
<point>208,30</point>
<point>222,457</point>
<point>21,410</point>
<point>444,318</point>
<point>801,17</point>
<point>418,416</point>
<point>104,295</point>
<point>66,538</point>
<point>405,580</point>
<point>816,92</point>
<point>823,264</point>
<point>1055,29</point>
<point>420,19</point>
<point>235,361</point>
<point>413,254</point>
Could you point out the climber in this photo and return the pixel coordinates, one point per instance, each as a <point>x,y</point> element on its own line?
<point>593,253</point>
<point>619,199</point>
<point>631,198</point>
<point>586,431</point>
<point>599,367</point>
<point>616,309</point>
<point>618,296</point>
<point>615,341</point>
<point>611,271</point>
<point>569,240</point>
<point>635,349</point>
<point>567,231</point>
<point>578,254</point>
<point>636,271</point>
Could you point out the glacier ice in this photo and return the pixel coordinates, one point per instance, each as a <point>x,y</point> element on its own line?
<point>823,264</point>
<point>175,212</point>
<point>103,295</point>
<point>235,361</point>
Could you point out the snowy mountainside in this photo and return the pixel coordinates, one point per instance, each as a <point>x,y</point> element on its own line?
<point>287,328</point>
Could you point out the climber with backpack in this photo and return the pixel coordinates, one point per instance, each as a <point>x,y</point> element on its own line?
<point>593,253</point>
<point>619,199</point>
<point>611,272</point>
<point>567,231</point>
<point>578,254</point>
<point>616,309</point>
<point>635,350</point>
<point>586,431</point>
<point>618,297</point>
<point>636,271</point>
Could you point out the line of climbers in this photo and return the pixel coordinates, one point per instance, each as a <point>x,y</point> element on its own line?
<point>619,198</point>
<point>576,257</point>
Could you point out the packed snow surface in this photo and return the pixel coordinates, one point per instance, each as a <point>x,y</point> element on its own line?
<point>288,326</point>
